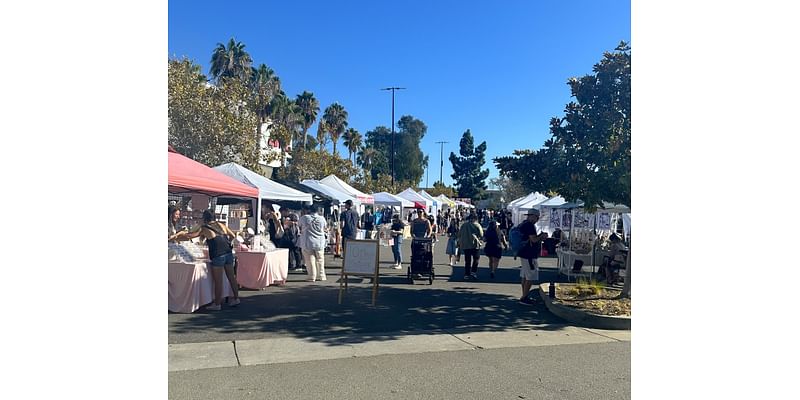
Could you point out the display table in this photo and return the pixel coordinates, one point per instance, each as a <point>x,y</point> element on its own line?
<point>258,270</point>
<point>191,286</point>
<point>566,259</point>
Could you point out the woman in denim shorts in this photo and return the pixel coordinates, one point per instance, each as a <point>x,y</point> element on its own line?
<point>220,253</point>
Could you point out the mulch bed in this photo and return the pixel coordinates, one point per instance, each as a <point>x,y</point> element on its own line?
<point>603,303</point>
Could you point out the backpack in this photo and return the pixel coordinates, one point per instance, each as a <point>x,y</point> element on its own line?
<point>515,237</point>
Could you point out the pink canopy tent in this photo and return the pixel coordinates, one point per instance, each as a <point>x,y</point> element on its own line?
<point>189,176</point>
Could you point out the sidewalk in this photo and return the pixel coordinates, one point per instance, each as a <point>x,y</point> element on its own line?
<point>193,356</point>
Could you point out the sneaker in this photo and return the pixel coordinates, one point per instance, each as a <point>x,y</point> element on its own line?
<point>474,276</point>
<point>214,307</point>
<point>525,301</point>
<point>467,277</point>
<point>397,266</point>
<point>324,278</point>
<point>234,302</point>
<point>309,280</point>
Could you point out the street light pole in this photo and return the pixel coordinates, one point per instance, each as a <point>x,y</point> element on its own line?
<point>441,161</point>
<point>393,89</point>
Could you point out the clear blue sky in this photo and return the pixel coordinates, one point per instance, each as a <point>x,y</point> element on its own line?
<point>496,68</point>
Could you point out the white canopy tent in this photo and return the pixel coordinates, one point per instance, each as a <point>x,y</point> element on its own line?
<point>522,199</point>
<point>336,194</point>
<point>388,199</point>
<point>437,204</point>
<point>334,182</point>
<point>446,202</point>
<point>413,196</point>
<point>267,189</point>
<point>530,201</point>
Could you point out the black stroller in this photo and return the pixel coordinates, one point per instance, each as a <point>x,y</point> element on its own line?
<point>421,260</point>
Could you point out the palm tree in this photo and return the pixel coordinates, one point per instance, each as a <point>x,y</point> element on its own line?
<point>286,119</point>
<point>231,61</point>
<point>352,140</point>
<point>322,135</point>
<point>336,121</point>
<point>309,107</point>
<point>265,85</point>
<point>365,157</point>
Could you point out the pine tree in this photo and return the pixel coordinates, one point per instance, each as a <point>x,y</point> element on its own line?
<point>470,179</point>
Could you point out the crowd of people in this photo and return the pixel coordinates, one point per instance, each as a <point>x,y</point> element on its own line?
<point>309,235</point>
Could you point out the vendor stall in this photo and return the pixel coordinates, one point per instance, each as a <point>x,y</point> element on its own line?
<point>334,182</point>
<point>259,269</point>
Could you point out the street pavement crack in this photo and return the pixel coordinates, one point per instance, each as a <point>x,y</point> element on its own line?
<point>600,334</point>
<point>236,353</point>
<point>473,346</point>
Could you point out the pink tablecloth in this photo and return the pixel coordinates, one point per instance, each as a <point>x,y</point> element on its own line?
<point>191,286</point>
<point>258,270</point>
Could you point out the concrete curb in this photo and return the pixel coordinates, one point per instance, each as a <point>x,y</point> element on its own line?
<point>583,318</point>
<point>193,356</point>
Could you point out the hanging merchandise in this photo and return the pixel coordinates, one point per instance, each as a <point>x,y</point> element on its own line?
<point>604,221</point>
<point>555,218</point>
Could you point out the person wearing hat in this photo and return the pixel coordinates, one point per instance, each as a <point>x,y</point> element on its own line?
<point>529,254</point>
<point>350,221</point>
<point>469,241</point>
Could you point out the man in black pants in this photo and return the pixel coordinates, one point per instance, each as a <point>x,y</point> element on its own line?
<point>469,242</point>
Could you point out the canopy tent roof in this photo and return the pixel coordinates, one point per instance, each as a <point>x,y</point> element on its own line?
<point>388,199</point>
<point>532,200</point>
<point>339,196</point>
<point>446,200</point>
<point>521,199</point>
<point>316,195</point>
<point>413,196</point>
<point>188,176</point>
<point>334,182</point>
<point>552,202</point>
<point>268,189</point>
<point>463,204</point>
<point>607,207</point>
<point>436,202</point>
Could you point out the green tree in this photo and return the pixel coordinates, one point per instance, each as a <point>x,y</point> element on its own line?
<point>470,179</point>
<point>410,162</point>
<point>317,164</point>
<point>335,117</point>
<point>588,156</point>
<point>365,157</point>
<point>210,124</point>
<point>440,188</point>
<point>265,86</point>
<point>231,61</point>
<point>352,141</point>
<point>309,108</point>
<point>286,120</point>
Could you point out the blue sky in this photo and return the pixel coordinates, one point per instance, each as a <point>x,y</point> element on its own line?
<point>496,68</point>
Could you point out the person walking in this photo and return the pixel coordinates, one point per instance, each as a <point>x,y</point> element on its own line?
<point>495,245</point>
<point>421,226</point>
<point>368,222</point>
<point>452,241</point>
<point>312,243</point>
<point>397,240</point>
<point>291,239</point>
<point>528,254</point>
<point>469,242</point>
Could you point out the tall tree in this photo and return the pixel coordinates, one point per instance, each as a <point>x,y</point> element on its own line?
<point>322,135</point>
<point>335,117</point>
<point>309,108</point>
<point>365,158</point>
<point>352,141</point>
<point>210,124</point>
<point>588,156</point>
<point>286,120</point>
<point>231,61</point>
<point>409,160</point>
<point>470,179</point>
<point>265,85</point>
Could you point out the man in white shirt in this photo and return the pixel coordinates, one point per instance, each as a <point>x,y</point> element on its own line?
<point>312,242</point>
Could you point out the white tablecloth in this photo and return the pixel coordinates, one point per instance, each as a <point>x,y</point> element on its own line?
<point>258,270</point>
<point>191,286</point>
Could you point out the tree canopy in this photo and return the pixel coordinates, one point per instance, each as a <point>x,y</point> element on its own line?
<point>211,124</point>
<point>470,178</point>
<point>588,156</point>
<point>409,160</point>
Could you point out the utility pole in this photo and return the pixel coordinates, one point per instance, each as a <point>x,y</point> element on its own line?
<point>393,89</point>
<point>441,160</point>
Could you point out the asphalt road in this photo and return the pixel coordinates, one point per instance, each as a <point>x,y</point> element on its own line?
<point>581,371</point>
<point>303,309</point>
